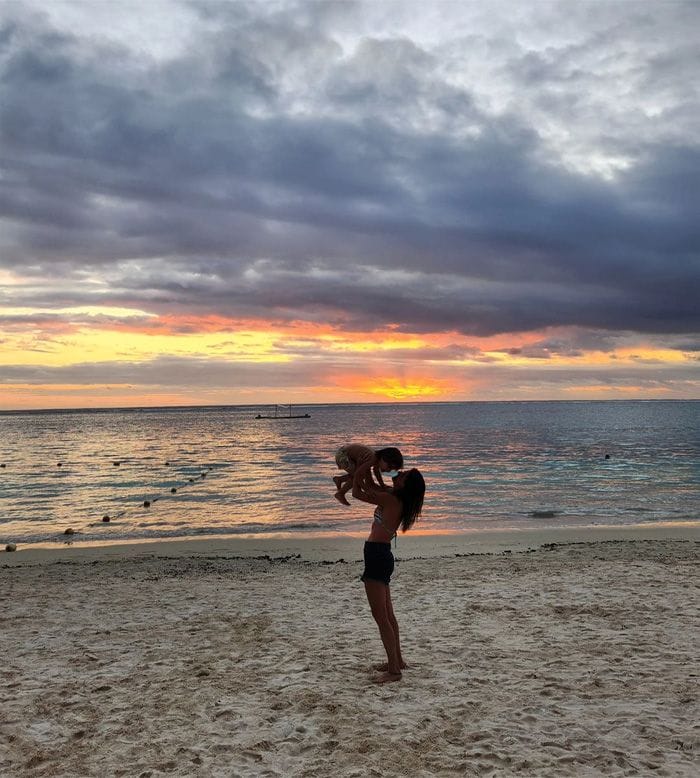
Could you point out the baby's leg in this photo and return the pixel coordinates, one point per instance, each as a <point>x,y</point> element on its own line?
<point>340,497</point>
<point>339,480</point>
<point>343,489</point>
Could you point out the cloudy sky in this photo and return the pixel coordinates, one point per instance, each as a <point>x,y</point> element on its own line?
<point>207,201</point>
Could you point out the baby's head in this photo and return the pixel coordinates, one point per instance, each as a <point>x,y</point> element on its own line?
<point>389,459</point>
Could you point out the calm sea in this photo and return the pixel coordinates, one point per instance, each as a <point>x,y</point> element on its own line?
<point>487,466</point>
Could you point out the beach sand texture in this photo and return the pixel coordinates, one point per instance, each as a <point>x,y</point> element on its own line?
<point>572,660</point>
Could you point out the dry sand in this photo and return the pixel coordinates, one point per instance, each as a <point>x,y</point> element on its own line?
<point>570,660</point>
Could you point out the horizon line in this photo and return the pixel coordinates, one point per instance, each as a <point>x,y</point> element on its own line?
<point>109,408</point>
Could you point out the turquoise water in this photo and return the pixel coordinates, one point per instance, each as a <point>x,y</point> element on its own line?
<point>487,466</point>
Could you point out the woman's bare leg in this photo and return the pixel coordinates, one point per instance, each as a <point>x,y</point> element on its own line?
<point>377,597</point>
<point>384,667</point>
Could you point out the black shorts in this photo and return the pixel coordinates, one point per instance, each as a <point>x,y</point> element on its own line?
<point>379,562</point>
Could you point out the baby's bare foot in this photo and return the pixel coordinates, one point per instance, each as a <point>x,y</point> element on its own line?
<point>340,497</point>
<point>387,678</point>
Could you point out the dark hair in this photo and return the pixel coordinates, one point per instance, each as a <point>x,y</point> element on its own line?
<point>392,456</point>
<point>411,495</point>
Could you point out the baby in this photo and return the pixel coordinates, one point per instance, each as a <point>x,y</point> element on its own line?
<point>352,455</point>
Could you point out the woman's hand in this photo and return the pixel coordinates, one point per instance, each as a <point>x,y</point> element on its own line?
<point>363,485</point>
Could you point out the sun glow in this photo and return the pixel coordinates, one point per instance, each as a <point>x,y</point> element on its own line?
<point>398,388</point>
<point>254,360</point>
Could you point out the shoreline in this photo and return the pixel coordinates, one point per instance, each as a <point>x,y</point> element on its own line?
<point>332,547</point>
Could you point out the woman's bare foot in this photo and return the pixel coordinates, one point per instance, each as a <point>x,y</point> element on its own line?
<point>340,497</point>
<point>338,481</point>
<point>387,677</point>
<point>383,667</point>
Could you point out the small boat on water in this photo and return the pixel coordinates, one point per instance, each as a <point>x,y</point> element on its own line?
<point>282,415</point>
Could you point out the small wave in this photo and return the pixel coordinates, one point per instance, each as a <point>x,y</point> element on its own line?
<point>168,530</point>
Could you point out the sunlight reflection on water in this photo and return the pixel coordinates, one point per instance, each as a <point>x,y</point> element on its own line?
<point>487,465</point>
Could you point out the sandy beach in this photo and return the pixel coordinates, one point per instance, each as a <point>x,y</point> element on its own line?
<point>217,658</point>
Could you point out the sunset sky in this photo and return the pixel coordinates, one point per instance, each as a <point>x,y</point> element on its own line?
<point>208,202</point>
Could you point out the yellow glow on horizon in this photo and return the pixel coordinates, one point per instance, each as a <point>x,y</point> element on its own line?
<point>344,343</point>
<point>651,354</point>
<point>113,346</point>
<point>398,388</point>
<point>375,364</point>
<point>618,357</point>
<point>63,337</point>
<point>54,344</point>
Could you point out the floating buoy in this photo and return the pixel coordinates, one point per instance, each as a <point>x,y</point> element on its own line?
<point>191,480</point>
<point>11,547</point>
<point>167,464</point>
<point>3,465</point>
<point>607,456</point>
<point>116,463</point>
<point>69,531</point>
<point>59,464</point>
<point>173,490</point>
<point>105,518</point>
<point>146,503</point>
<point>203,475</point>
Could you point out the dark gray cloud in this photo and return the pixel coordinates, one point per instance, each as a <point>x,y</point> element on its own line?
<point>287,161</point>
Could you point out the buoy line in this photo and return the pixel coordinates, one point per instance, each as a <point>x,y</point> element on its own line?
<point>147,503</point>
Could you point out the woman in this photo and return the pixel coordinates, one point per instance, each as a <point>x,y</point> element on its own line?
<point>398,506</point>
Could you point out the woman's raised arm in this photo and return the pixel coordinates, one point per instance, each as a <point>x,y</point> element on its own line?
<point>364,486</point>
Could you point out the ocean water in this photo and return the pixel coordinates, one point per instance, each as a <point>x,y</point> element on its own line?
<point>487,466</point>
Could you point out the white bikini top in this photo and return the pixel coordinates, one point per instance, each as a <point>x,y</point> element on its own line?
<point>379,520</point>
